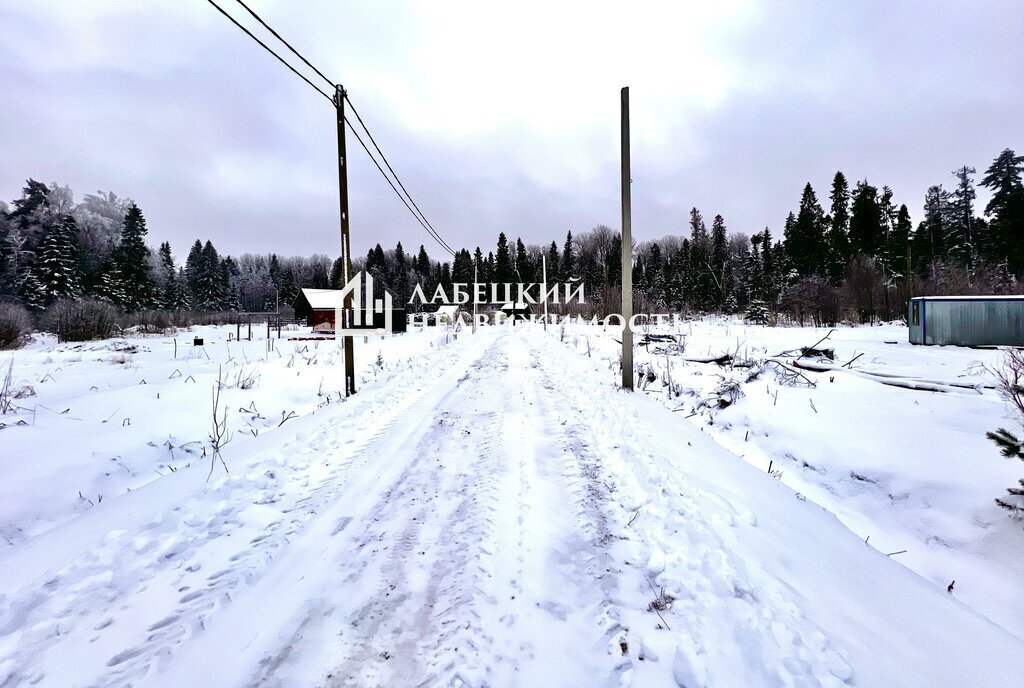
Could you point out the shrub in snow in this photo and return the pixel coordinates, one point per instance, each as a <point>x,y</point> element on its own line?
<point>757,313</point>
<point>79,320</point>
<point>15,323</point>
<point>1011,387</point>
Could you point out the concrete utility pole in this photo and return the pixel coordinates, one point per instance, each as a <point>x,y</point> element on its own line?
<point>627,251</point>
<point>346,250</point>
<point>544,286</point>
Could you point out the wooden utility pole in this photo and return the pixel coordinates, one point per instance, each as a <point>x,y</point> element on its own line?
<point>627,251</point>
<point>346,250</point>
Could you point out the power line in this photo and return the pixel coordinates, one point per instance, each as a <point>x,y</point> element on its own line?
<point>286,43</point>
<point>270,50</point>
<point>417,213</point>
<point>397,179</point>
<point>430,231</point>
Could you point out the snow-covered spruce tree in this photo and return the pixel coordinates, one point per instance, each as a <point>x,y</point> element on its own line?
<point>30,291</point>
<point>57,264</point>
<point>1006,208</point>
<point>502,261</point>
<point>960,240</point>
<point>837,239</point>
<point>131,259</point>
<point>206,279</point>
<point>111,285</point>
<point>805,235</point>
<point>173,291</point>
<point>757,312</point>
<point>229,276</point>
<point>176,293</point>
<point>1011,387</point>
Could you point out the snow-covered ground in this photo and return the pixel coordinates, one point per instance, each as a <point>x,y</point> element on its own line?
<point>492,510</point>
<point>910,471</point>
<point>97,419</point>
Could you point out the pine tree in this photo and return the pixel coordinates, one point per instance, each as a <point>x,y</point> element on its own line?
<point>524,268</point>
<point>613,261</point>
<point>719,258</point>
<point>173,292</point>
<point>444,276</point>
<point>866,222</point>
<point>131,257</point>
<point>838,240</point>
<point>57,265</point>
<point>401,281</point>
<point>422,265</point>
<point>773,269</point>
<point>274,268</point>
<point>35,200</point>
<point>502,261</point>
<point>230,299</point>
<point>654,276</point>
<point>1006,208</point>
<point>805,235</point>
<point>930,237</point>
<point>111,286</point>
<point>898,242</point>
<point>639,274</point>
<point>554,274</point>
<point>888,211</point>
<point>700,290</point>
<point>289,286</point>
<point>1010,447</point>
<point>194,267</point>
<point>208,294</point>
<point>481,266</point>
<point>337,273</point>
<point>959,232</point>
<point>30,290</point>
<point>462,267</point>
<point>567,270</point>
<point>176,296</point>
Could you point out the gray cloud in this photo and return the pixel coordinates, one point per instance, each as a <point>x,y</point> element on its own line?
<point>500,120</point>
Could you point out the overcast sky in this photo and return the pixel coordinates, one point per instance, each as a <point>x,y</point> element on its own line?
<point>500,116</point>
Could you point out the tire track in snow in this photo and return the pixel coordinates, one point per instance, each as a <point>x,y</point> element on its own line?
<point>730,623</point>
<point>419,544</point>
<point>119,594</point>
<point>480,570</point>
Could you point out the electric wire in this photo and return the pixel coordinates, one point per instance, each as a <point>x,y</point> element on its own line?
<point>286,43</point>
<point>400,197</point>
<point>270,50</point>
<point>433,232</point>
<point>417,213</point>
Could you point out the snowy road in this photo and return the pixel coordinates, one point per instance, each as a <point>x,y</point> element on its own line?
<point>495,513</point>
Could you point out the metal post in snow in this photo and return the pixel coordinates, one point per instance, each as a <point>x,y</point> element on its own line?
<point>474,295</point>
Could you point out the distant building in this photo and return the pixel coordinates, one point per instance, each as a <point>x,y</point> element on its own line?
<point>446,315</point>
<point>318,306</point>
<point>967,320</point>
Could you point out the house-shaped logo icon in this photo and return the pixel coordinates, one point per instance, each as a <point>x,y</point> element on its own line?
<point>365,309</point>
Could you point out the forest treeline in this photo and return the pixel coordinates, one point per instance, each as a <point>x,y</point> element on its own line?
<point>854,255</point>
